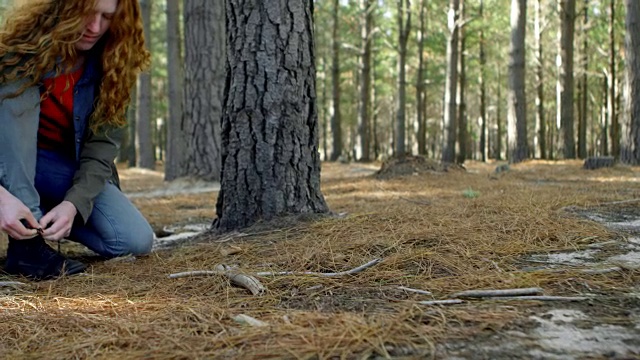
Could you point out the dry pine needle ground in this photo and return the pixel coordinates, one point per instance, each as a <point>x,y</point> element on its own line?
<point>440,231</point>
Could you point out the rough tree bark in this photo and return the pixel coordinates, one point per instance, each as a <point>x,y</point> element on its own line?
<point>270,159</point>
<point>517,119</point>
<point>463,131</point>
<point>204,34</point>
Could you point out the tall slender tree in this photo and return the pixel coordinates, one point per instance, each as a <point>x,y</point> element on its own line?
<point>630,149</point>
<point>540,138</point>
<point>463,131</point>
<point>144,141</point>
<point>483,87</point>
<point>404,29</point>
<point>336,116</point>
<point>271,164</point>
<point>449,121</point>
<point>565,84</point>
<point>420,81</point>
<point>175,139</point>
<point>517,119</point>
<point>364,116</point>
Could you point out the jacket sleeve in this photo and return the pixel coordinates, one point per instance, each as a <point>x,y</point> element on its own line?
<point>96,167</point>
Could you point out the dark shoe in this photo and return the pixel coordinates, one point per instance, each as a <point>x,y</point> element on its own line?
<point>35,259</point>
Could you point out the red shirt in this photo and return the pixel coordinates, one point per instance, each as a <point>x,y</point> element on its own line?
<point>56,130</point>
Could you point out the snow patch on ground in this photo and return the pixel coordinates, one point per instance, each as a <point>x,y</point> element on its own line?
<point>560,337</point>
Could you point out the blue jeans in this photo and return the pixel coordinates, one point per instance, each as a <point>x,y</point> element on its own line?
<point>114,228</point>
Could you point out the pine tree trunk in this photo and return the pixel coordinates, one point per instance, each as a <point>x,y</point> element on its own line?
<point>541,122</point>
<point>204,35</point>
<point>404,28</point>
<point>336,118</point>
<point>144,141</point>
<point>271,164</point>
<point>584,95</point>
<point>630,149</point>
<point>175,139</point>
<point>463,131</point>
<point>449,121</point>
<point>364,118</point>
<point>483,88</point>
<point>611,101</point>
<point>420,86</point>
<point>517,119</point>
<point>566,137</point>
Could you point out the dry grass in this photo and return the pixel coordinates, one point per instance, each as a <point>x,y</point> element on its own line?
<point>428,233</point>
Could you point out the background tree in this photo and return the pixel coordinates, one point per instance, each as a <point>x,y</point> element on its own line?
<point>175,138</point>
<point>364,115</point>
<point>204,84</point>
<point>271,164</point>
<point>630,149</point>
<point>566,139</point>
<point>517,119</point>
<point>144,143</point>
<point>336,117</point>
<point>449,121</point>
<point>404,29</point>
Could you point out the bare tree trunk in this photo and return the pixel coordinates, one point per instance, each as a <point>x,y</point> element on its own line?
<point>144,142</point>
<point>566,137</point>
<point>584,94</point>
<point>499,122</point>
<point>463,130</point>
<point>540,140</point>
<point>517,119</point>
<point>420,85</point>
<point>483,88</point>
<point>175,138</point>
<point>204,85</point>
<point>271,165</point>
<point>325,112</point>
<point>336,119</point>
<point>364,118</point>
<point>630,149</point>
<point>404,28</point>
<point>449,121</point>
<point>611,102</point>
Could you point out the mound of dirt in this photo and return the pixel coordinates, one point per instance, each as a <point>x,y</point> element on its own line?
<point>414,165</point>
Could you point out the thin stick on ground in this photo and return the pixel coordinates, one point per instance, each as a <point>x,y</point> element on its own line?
<point>541,298</point>
<point>334,274</point>
<point>496,293</point>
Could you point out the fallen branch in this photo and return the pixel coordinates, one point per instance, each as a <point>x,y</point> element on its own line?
<point>541,298</point>
<point>442,302</point>
<point>497,293</point>
<point>11,283</point>
<point>417,291</point>
<point>334,274</point>
<point>246,281</point>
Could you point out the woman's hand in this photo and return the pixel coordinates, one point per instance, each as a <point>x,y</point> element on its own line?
<point>57,222</point>
<point>12,213</point>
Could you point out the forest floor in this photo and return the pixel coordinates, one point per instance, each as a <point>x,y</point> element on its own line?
<point>568,232</point>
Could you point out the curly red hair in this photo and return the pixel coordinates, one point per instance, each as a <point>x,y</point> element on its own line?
<point>40,35</point>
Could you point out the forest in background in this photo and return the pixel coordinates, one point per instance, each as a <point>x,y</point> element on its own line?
<point>386,84</point>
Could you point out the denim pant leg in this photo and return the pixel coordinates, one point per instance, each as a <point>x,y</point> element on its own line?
<point>19,117</point>
<point>114,228</point>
